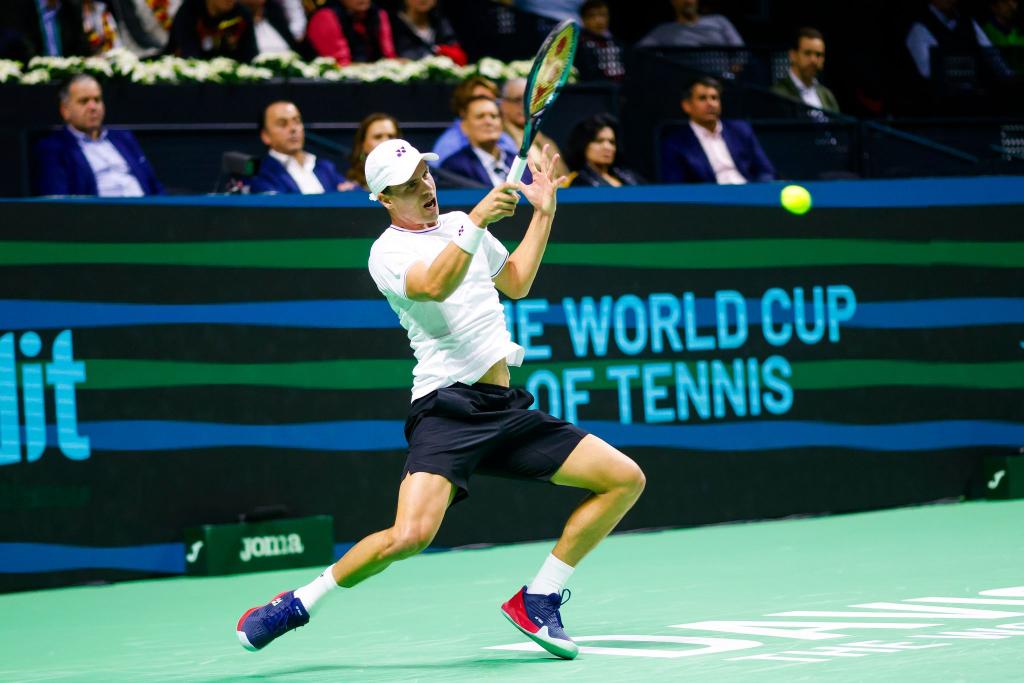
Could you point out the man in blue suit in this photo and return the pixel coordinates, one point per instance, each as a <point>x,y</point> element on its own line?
<point>709,149</point>
<point>84,158</point>
<point>483,160</point>
<point>288,168</point>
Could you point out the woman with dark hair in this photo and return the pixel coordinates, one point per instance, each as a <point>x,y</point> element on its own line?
<point>351,31</point>
<point>591,154</point>
<point>373,130</point>
<point>421,31</point>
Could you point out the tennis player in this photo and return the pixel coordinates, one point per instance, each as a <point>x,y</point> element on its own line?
<point>441,273</point>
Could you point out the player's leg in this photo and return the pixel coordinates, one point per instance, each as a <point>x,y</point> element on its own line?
<point>615,483</point>
<point>423,499</point>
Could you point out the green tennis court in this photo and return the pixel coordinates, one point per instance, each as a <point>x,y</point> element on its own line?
<point>918,594</point>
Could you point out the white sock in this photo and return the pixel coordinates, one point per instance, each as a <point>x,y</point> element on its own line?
<point>551,578</point>
<point>311,593</point>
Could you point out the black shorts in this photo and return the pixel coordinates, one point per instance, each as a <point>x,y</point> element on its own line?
<point>486,428</point>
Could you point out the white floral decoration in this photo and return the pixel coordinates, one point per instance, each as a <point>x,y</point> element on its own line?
<point>96,66</point>
<point>491,68</point>
<point>35,77</point>
<point>10,70</point>
<point>253,73</point>
<point>122,64</point>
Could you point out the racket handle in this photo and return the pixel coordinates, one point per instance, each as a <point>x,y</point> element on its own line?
<point>515,173</point>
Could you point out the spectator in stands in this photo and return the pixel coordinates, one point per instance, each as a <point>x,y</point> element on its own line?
<point>513,119</point>
<point>599,54</point>
<point>453,138</point>
<point>1002,24</point>
<point>373,130</point>
<point>145,25</point>
<point>591,154</point>
<point>556,10</point>
<point>1003,29</point>
<point>710,149</point>
<point>351,31</point>
<point>295,13</point>
<point>806,60</point>
<point>691,29</point>
<point>204,29</point>
<point>311,6</point>
<point>288,168</point>
<point>100,27</point>
<point>42,28</point>
<point>273,30</point>
<point>483,159</point>
<point>942,25</point>
<point>84,158</point>
<point>421,31</point>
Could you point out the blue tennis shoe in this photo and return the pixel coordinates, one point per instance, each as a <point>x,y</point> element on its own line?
<point>539,619</point>
<point>261,625</point>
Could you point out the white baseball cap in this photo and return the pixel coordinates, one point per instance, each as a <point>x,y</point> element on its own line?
<point>392,163</point>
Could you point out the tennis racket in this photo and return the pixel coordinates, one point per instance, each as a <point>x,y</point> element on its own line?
<point>550,71</point>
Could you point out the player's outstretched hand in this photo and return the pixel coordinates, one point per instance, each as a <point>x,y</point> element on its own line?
<point>499,203</point>
<point>541,192</point>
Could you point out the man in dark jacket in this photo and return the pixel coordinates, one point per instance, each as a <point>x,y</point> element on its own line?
<point>483,160</point>
<point>84,158</point>
<point>806,61</point>
<point>420,30</point>
<point>710,149</point>
<point>213,28</point>
<point>29,28</point>
<point>288,168</point>
<point>599,55</point>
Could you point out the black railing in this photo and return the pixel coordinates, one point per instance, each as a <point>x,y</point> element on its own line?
<point>803,142</point>
<point>808,143</point>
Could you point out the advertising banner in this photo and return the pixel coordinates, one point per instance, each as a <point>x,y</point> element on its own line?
<point>175,362</point>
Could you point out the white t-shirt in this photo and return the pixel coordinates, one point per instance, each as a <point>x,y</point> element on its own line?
<point>718,154</point>
<point>460,338</point>
<point>302,173</point>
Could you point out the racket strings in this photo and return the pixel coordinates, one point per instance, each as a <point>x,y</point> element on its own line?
<point>553,69</point>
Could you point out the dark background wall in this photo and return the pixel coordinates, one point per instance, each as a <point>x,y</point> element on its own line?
<point>236,355</point>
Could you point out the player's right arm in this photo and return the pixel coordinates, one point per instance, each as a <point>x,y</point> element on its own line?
<point>437,281</point>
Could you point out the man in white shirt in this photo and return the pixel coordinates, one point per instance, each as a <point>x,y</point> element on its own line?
<point>806,61</point>
<point>288,168</point>
<point>441,273</point>
<point>711,149</point>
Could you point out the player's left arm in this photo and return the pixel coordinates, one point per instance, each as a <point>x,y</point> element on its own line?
<point>516,278</point>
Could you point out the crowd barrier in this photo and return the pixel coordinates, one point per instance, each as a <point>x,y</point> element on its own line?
<point>173,362</point>
<point>184,129</point>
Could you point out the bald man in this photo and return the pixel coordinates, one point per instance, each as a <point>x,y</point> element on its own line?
<point>513,119</point>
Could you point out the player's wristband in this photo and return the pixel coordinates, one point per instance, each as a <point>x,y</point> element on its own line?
<point>468,237</point>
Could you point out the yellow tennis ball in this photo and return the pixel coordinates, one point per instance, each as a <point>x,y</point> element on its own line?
<point>795,199</point>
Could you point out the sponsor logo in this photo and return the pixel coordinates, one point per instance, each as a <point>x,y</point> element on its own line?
<point>996,479</point>
<point>270,546</point>
<point>193,554</point>
<point>62,373</point>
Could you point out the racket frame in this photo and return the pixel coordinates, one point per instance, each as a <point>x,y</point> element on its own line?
<point>533,121</point>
